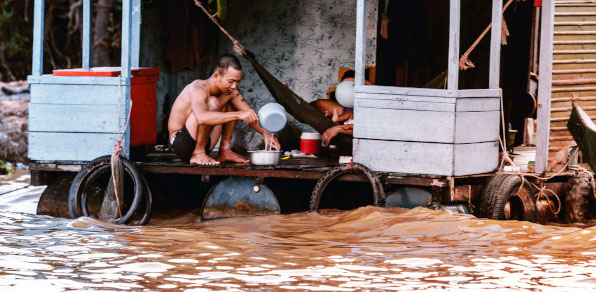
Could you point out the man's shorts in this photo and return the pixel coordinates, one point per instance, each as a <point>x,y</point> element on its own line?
<point>184,145</point>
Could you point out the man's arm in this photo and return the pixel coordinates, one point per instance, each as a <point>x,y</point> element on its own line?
<point>335,130</point>
<point>198,103</point>
<point>240,103</point>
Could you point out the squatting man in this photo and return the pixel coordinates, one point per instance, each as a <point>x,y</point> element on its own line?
<point>208,109</point>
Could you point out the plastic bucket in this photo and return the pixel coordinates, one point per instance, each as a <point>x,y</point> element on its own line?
<point>272,117</point>
<point>310,143</point>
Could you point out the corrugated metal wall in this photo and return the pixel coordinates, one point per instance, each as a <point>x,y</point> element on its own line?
<point>574,67</point>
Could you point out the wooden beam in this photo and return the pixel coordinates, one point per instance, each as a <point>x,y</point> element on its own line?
<point>410,91</point>
<point>495,45</point>
<point>135,51</point>
<point>360,42</point>
<point>38,21</point>
<point>545,84</point>
<point>453,61</point>
<point>125,64</point>
<point>90,80</point>
<point>87,35</point>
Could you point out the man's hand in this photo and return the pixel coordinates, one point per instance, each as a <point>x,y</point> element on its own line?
<point>249,116</point>
<point>330,133</point>
<point>270,139</point>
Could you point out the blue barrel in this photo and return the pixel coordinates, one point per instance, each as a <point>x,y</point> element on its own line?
<point>272,117</point>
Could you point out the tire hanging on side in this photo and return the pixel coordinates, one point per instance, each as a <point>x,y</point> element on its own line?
<point>375,181</point>
<point>504,198</point>
<point>86,182</point>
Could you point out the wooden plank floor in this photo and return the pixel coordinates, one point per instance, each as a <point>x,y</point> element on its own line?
<point>311,168</point>
<point>293,168</point>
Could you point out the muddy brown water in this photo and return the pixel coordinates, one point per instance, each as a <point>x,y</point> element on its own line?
<point>366,249</point>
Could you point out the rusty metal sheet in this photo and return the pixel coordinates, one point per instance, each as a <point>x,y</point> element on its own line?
<point>54,199</point>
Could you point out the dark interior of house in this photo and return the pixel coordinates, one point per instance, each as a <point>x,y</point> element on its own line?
<point>412,50</point>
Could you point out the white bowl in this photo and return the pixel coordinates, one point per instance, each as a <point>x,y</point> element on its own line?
<point>263,157</point>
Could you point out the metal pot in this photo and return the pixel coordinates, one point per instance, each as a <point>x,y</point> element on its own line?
<point>262,157</point>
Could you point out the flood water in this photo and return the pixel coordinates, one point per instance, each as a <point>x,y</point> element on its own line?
<point>367,249</point>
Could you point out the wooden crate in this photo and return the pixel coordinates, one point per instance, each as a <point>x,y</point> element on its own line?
<point>74,118</point>
<point>426,131</point>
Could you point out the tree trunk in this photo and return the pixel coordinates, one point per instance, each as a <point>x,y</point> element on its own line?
<point>101,35</point>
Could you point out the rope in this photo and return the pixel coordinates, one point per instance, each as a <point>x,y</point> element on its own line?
<point>238,48</point>
<point>464,62</point>
<point>114,159</point>
<point>541,194</point>
<point>542,191</point>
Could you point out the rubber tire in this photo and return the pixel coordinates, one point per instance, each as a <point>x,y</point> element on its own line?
<point>148,206</point>
<point>147,199</point>
<point>329,176</point>
<point>90,172</point>
<point>498,192</point>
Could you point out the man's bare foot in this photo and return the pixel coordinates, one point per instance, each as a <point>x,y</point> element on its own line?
<point>228,155</point>
<point>201,158</point>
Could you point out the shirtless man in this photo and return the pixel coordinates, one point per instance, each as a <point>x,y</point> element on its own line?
<point>203,108</point>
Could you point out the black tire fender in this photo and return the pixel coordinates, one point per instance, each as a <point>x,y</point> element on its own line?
<point>329,176</point>
<point>95,168</point>
<point>506,188</point>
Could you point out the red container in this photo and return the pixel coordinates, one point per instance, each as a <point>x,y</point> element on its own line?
<point>310,143</point>
<point>143,118</point>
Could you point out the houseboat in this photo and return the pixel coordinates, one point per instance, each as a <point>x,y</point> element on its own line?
<point>426,132</point>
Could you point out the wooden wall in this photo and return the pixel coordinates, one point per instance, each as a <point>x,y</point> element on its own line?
<point>574,68</point>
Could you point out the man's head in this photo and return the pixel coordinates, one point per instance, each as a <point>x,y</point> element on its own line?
<point>227,73</point>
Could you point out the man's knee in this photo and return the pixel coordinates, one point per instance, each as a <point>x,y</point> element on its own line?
<point>213,103</point>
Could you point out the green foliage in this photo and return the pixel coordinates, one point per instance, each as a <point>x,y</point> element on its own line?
<point>6,167</point>
<point>62,36</point>
<point>16,29</point>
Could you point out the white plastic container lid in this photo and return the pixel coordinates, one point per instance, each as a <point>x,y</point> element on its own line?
<point>310,136</point>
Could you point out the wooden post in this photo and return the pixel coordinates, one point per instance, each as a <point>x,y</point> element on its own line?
<point>495,44</point>
<point>87,33</point>
<point>453,61</point>
<point>545,84</point>
<point>126,38</point>
<point>38,20</point>
<point>360,42</point>
<point>125,75</point>
<point>136,33</point>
